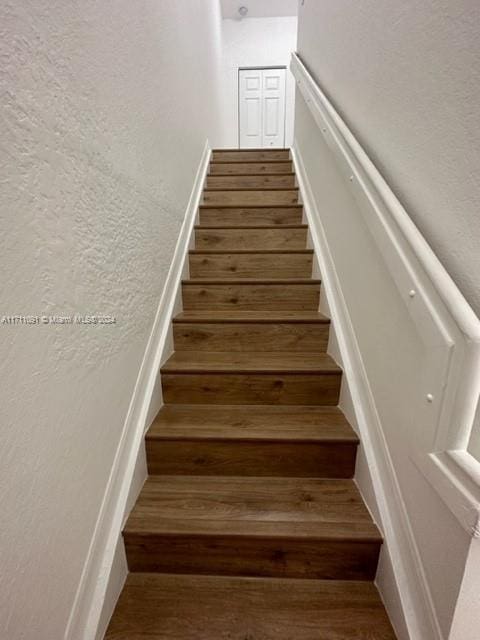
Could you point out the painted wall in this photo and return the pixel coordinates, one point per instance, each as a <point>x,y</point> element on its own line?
<point>255,42</point>
<point>474,445</point>
<point>394,358</point>
<point>405,78</point>
<point>105,114</point>
<point>260,8</point>
<point>466,621</point>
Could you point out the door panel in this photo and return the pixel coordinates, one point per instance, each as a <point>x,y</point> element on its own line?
<point>250,91</point>
<point>252,84</point>
<point>271,124</point>
<point>273,108</point>
<point>272,82</point>
<point>262,108</point>
<point>253,117</point>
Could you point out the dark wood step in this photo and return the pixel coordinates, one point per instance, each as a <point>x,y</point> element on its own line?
<point>286,237</point>
<point>251,295</point>
<point>286,527</point>
<point>274,181</point>
<point>250,264</point>
<point>234,216</point>
<point>250,155</point>
<point>252,388</point>
<point>252,168</point>
<point>192,607</point>
<point>253,362</point>
<point>250,197</point>
<point>237,335</point>
<point>250,519</point>
<point>251,441</point>
<point>200,377</point>
<point>254,317</point>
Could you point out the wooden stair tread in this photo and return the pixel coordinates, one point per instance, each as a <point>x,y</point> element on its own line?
<point>269,422</point>
<point>248,251</point>
<point>191,607</point>
<point>251,236</point>
<point>250,265</point>
<point>250,362</point>
<point>251,197</point>
<point>250,150</point>
<point>290,317</point>
<point>246,440</point>
<point>211,188</point>
<point>257,189</point>
<point>252,206</point>
<point>234,281</point>
<point>246,155</point>
<point>231,216</point>
<point>260,174</point>
<point>250,168</point>
<point>275,180</point>
<point>251,294</point>
<point>240,160</point>
<point>318,508</point>
<point>251,226</point>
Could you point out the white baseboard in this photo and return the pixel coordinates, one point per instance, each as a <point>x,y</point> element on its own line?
<point>100,585</point>
<point>408,599</point>
<point>116,581</point>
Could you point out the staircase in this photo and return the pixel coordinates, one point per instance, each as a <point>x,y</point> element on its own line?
<point>250,526</point>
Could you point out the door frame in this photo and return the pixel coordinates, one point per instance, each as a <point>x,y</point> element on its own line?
<point>261,68</point>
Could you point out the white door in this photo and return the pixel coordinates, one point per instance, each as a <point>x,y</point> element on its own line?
<point>262,108</point>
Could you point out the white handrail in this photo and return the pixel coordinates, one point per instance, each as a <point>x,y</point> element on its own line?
<point>447,464</point>
<point>453,299</point>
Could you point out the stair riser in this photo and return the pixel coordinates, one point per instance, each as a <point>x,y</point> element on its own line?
<point>250,337</point>
<point>286,181</point>
<point>249,198</point>
<point>244,556</point>
<point>251,265</point>
<point>251,297</point>
<point>227,388</point>
<point>254,168</point>
<point>237,216</point>
<point>259,155</point>
<point>250,239</point>
<point>240,458</point>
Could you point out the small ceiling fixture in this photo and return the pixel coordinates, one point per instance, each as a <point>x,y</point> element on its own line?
<point>242,11</point>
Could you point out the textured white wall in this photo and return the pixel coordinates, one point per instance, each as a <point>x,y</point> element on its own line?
<point>260,8</point>
<point>105,112</point>
<point>255,42</point>
<point>406,78</point>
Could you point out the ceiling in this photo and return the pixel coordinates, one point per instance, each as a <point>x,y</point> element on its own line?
<point>260,8</point>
